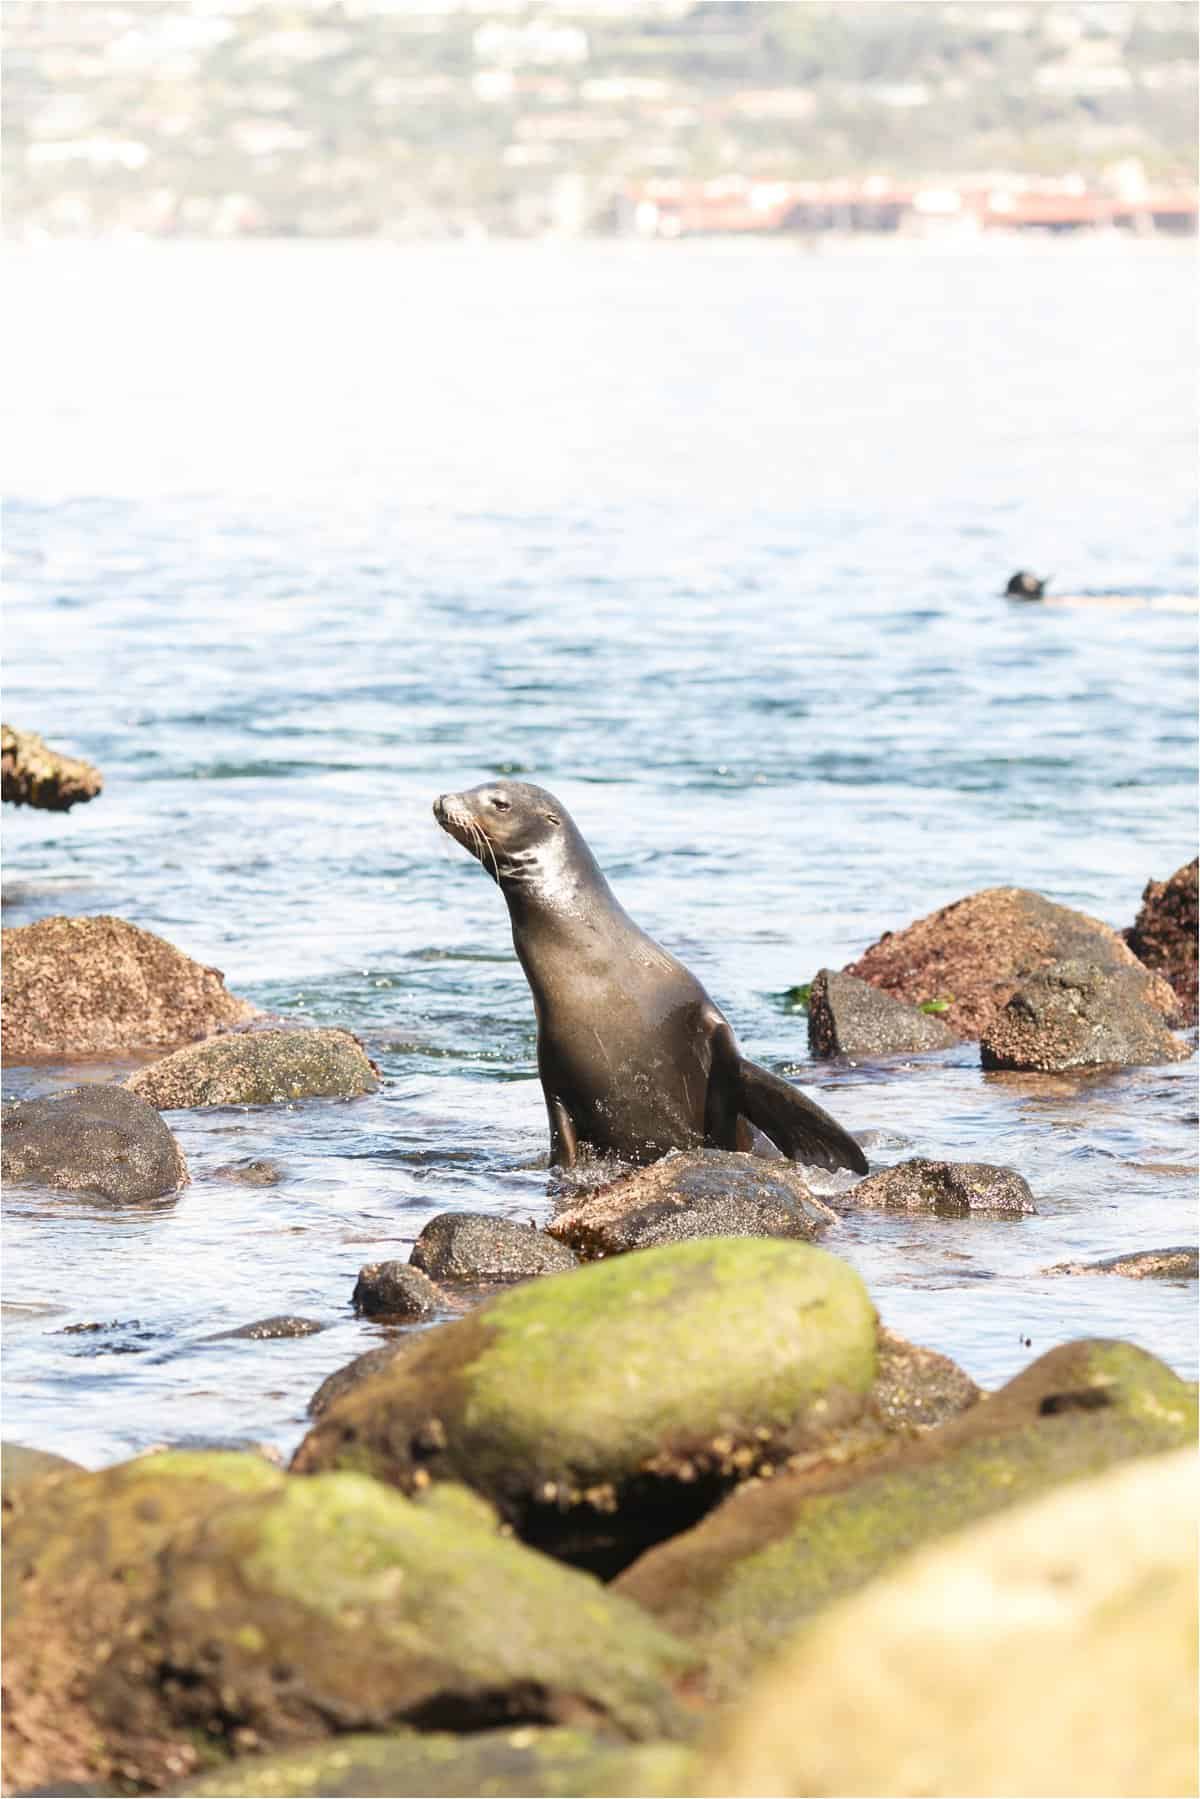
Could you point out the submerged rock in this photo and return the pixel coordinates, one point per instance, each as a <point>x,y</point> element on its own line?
<point>93,1139</point>
<point>474,1246</point>
<point>1077,1015</point>
<point>952,1189</point>
<point>86,987</point>
<point>1164,934</point>
<point>181,1601</point>
<point>977,952</point>
<point>848,1017</point>
<point>259,1068</point>
<point>603,1409</point>
<point>32,774</point>
<point>694,1193</point>
<point>1052,1651</point>
<point>252,1171</point>
<point>268,1330</point>
<point>772,1555</point>
<point>521,1763</point>
<point>398,1290</point>
<point>1140,1264</point>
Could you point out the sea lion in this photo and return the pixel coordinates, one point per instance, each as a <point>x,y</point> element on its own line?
<point>1024,586</point>
<point>634,1057</point>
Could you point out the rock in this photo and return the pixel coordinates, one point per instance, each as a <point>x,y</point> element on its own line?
<point>916,1388</point>
<point>32,774</point>
<point>473,1246</point>
<point>259,1068</point>
<point>1180,1264</point>
<point>266,1330</point>
<point>977,952</point>
<point>774,1554</point>
<point>694,1193</point>
<point>92,1139</point>
<point>603,1409</point>
<point>1077,1015</point>
<point>1052,1650</point>
<point>251,1172</point>
<point>1163,936</point>
<point>206,1604</point>
<point>847,1017</point>
<point>87,987</point>
<point>21,1468</point>
<point>397,1289</point>
<point>521,1763</point>
<point>952,1189</point>
<point>342,1380</point>
<point>86,1547</point>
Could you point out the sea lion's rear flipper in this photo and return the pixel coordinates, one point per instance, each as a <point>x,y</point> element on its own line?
<point>801,1129</point>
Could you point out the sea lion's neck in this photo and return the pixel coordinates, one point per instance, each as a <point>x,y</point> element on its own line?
<point>562,902</point>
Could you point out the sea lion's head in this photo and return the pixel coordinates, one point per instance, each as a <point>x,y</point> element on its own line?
<point>1024,586</point>
<point>520,833</point>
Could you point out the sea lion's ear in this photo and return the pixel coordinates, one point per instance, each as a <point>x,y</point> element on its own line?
<point>552,818</point>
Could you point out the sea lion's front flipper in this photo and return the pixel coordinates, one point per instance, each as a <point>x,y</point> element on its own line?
<point>801,1129</point>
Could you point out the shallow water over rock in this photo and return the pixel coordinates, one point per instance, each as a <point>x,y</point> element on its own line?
<point>710,542</point>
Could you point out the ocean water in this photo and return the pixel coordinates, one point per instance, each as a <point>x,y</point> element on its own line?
<point>709,540</point>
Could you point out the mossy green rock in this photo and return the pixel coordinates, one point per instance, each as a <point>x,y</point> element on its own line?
<point>776,1553</point>
<point>80,1574</point>
<point>191,1607</point>
<point>524,1763</point>
<point>258,1068</point>
<point>21,1468</point>
<point>1051,1650</point>
<point>679,1365</point>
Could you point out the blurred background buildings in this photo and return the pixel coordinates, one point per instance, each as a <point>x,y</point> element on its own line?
<point>413,119</point>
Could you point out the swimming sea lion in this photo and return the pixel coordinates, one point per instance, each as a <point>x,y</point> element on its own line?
<point>1024,586</point>
<point>634,1057</point>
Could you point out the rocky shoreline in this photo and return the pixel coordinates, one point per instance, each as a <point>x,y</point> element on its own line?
<point>649,1500</point>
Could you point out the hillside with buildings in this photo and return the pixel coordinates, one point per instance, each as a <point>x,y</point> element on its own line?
<point>405,118</point>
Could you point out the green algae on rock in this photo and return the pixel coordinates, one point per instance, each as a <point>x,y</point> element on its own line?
<point>1051,1650</point>
<point>80,1579</point>
<point>520,1763</point>
<point>210,1600</point>
<point>605,1399</point>
<point>259,1068</point>
<point>774,1554</point>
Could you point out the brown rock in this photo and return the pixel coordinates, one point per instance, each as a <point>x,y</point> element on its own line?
<point>1164,934</point>
<point>952,1189</point>
<point>848,1017</point>
<point>699,1193</point>
<point>86,987</point>
<point>1179,1264</point>
<point>32,774</point>
<point>1077,1015</point>
<point>475,1246</point>
<point>977,952</point>
<point>918,1388</point>
<point>398,1290</point>
<point>94,1139</point>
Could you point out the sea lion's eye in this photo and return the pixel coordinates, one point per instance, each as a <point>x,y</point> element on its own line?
<point>501,805</point>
